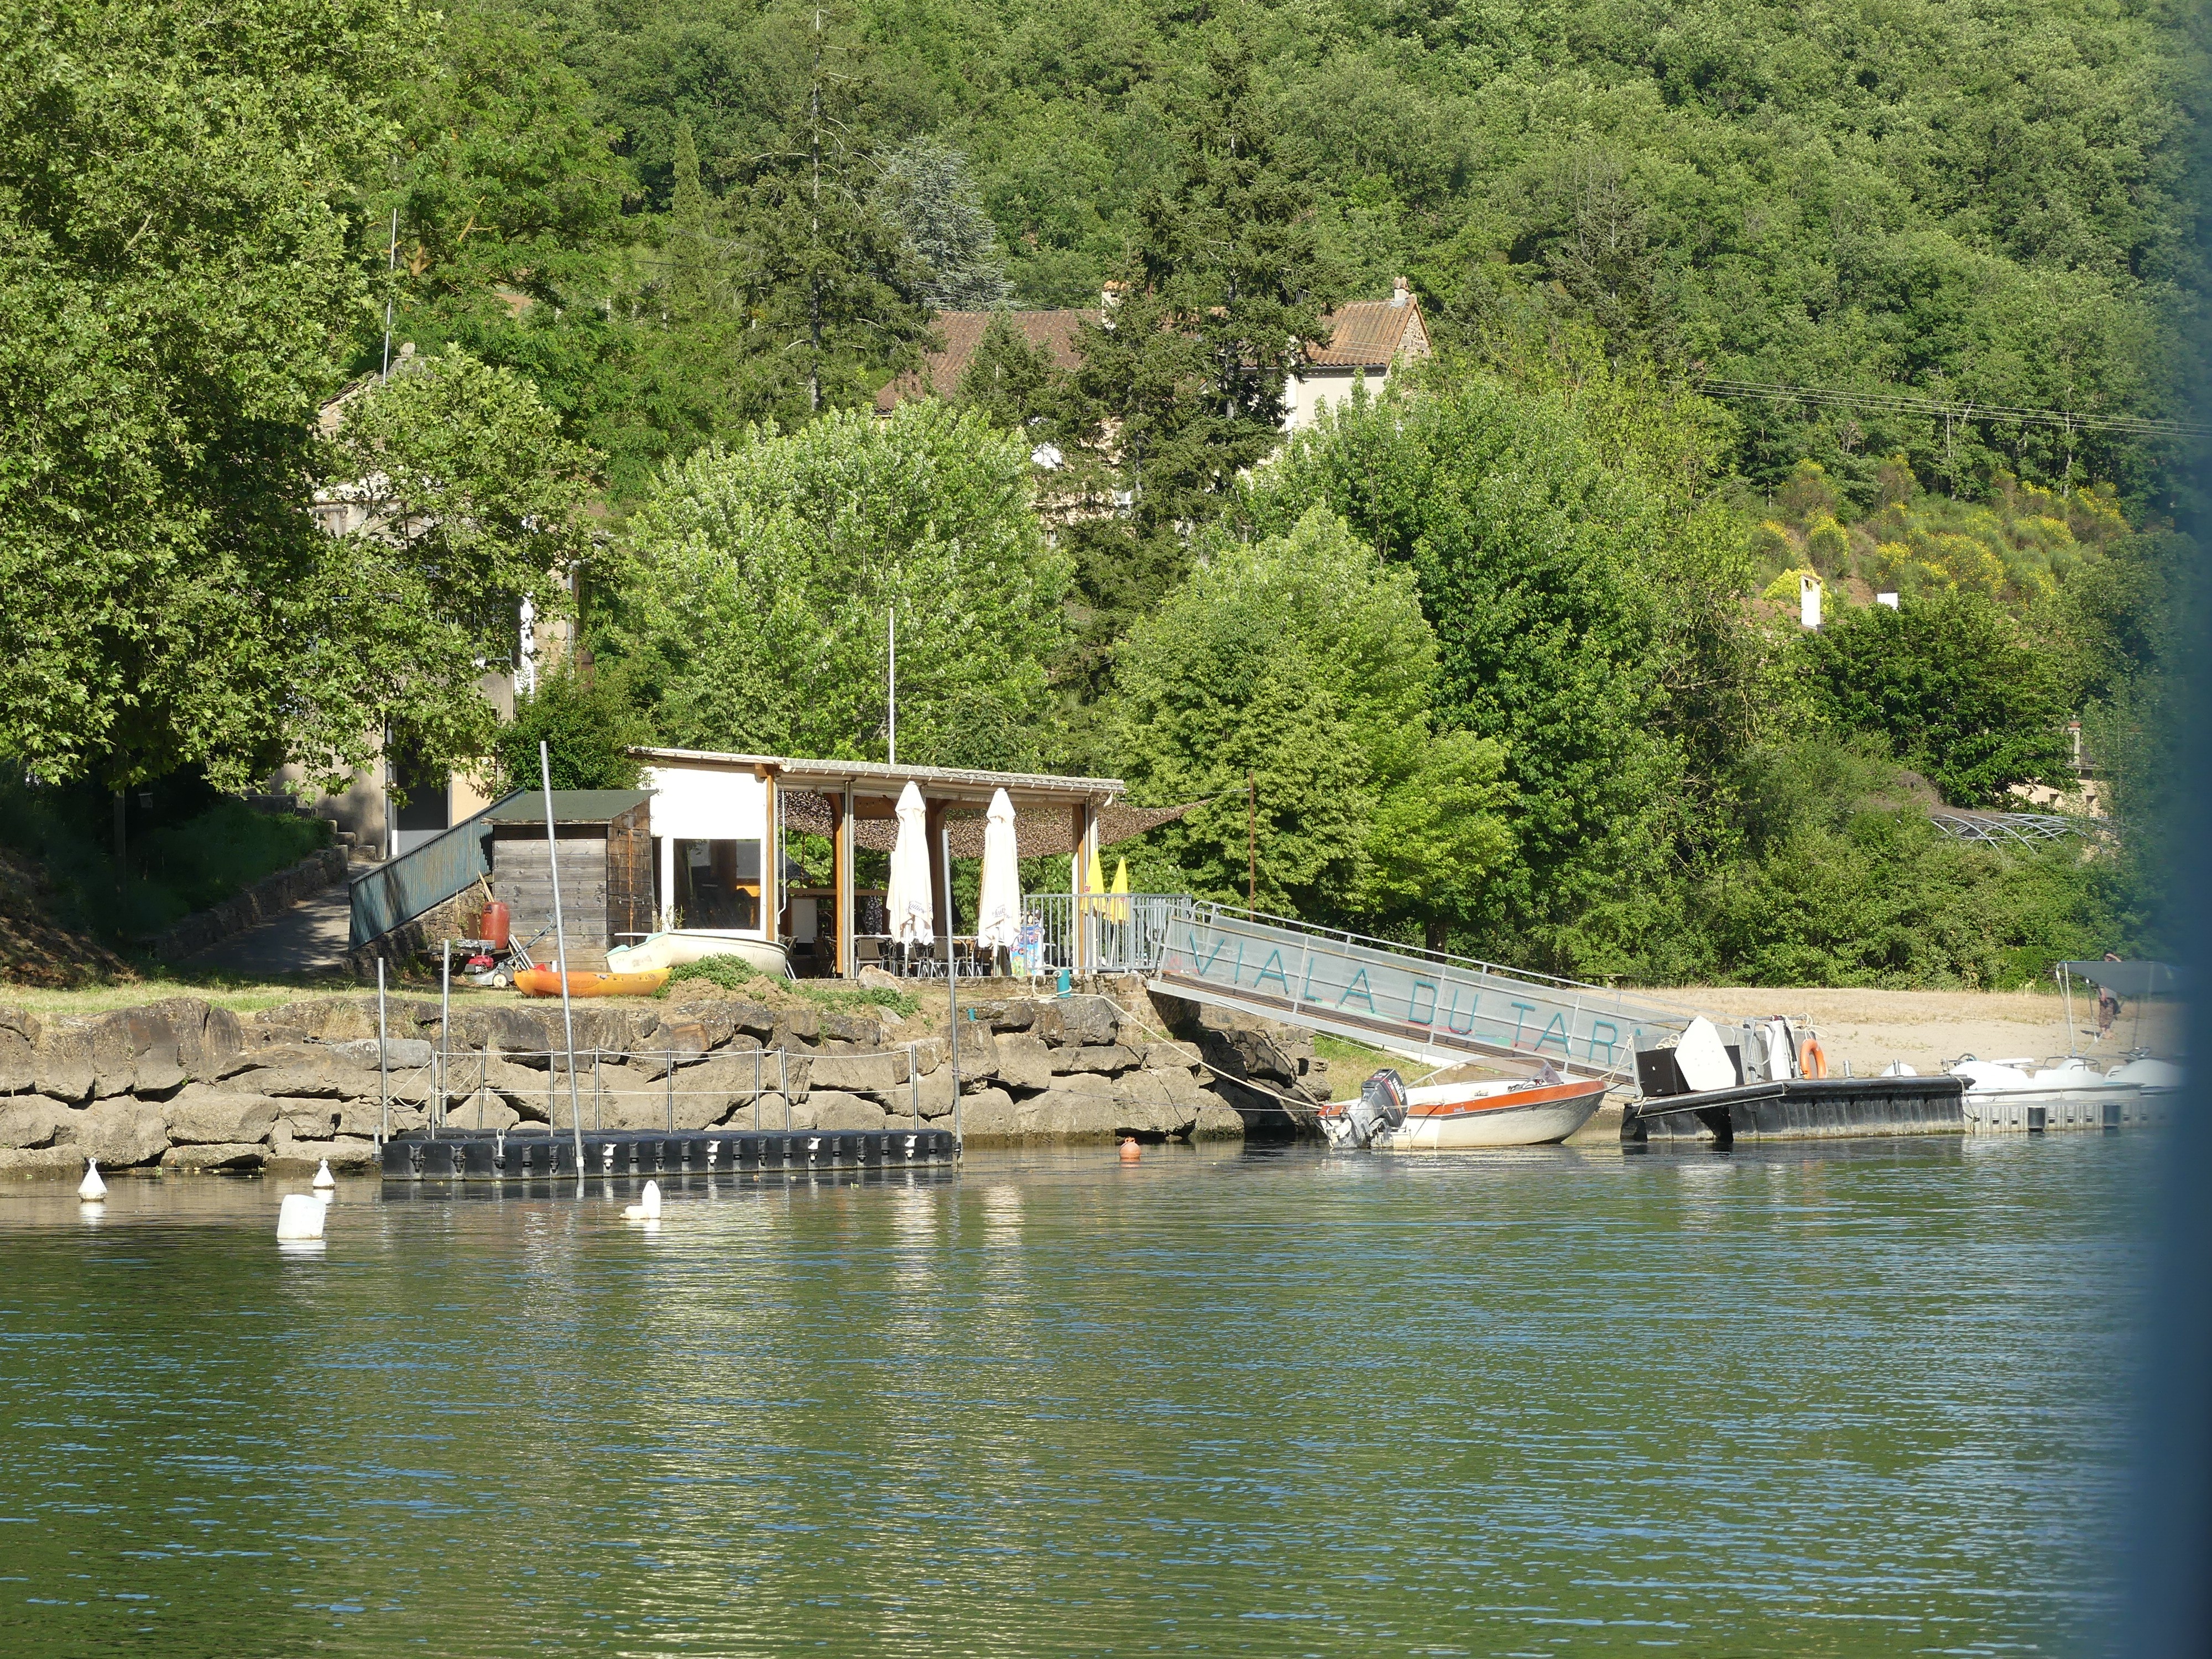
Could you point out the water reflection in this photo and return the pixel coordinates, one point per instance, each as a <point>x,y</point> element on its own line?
<point>1850,1398</point>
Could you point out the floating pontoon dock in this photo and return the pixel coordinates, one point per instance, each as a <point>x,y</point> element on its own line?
<point>489,1157</point>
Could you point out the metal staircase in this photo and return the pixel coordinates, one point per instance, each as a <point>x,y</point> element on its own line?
<point>1439,1008</point>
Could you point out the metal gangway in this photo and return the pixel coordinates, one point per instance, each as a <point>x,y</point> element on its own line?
<point>1422,1004</point>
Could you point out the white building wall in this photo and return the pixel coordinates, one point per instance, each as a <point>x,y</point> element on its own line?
<point>704,804</point>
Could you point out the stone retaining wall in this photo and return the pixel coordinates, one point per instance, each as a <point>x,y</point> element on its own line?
<point>269,896</point>
<point>183,1087</point>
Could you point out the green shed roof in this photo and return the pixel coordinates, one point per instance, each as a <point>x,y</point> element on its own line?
<point>570,806</point>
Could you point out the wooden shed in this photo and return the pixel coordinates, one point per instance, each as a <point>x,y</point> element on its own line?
<point>603,841</point>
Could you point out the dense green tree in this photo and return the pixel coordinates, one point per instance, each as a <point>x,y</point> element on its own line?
<point>469,503</point>
<point>180,276</point>
<point>1535,563</point>
<point>926,193</point>
<point>1953,685</point>
<point>766,574</point>
<point>589,727</point>
<point>1295,677</point>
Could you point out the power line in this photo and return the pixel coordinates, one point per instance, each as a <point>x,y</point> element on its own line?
<point>1899,404</point>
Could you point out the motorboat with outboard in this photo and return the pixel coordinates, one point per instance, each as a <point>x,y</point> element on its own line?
<point>1388,1117</point>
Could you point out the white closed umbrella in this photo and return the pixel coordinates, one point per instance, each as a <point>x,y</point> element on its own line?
<point>999,907</point>
<point>909,898</point>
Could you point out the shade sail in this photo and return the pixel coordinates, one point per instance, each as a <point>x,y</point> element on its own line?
<point>2132,979</point>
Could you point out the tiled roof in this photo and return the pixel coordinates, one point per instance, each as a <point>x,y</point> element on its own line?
<point>1374,334</point>
<point>941,371</point>
<point>1366,334</point>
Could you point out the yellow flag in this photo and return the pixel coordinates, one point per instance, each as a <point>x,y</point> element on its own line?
<point>1094,885</point>
<point>1117,907</point>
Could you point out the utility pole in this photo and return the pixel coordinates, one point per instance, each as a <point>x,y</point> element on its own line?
<point>890,685</point>
<point>390,275</point>
<point>814,232</point>
<point>1252,841</point>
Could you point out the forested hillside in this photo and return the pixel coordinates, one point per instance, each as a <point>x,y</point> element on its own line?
<point>1984,202</point>
<point>1508,660</point>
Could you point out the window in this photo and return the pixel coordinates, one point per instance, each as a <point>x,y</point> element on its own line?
<point>718,883</point>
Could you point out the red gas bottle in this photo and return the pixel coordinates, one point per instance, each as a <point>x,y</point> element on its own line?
<point>494,923</point>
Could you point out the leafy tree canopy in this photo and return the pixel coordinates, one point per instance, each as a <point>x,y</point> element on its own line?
<point>766,574</point>
<point>1949,681</point>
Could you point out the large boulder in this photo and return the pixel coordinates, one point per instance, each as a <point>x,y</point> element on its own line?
<point>484,1110</point>
<point>990,1114</point>
<point>400,1053</point>
<point>1063,1114</point>
<point>1024,1062</point>
<point>979,1051</point>
<point>119,1133</point>
<point>306,1119</point>
<point>40,1161</point>
<point>1075,1020</point>
<point>1216,1121</point>
<point>216,1119</point>
<point>365,1118</point>
<point>28,1121</point>
<point>766,1113</point>
<point>931,1093</point>
<point>863,1074</point>
<point>213,1158</point>
<point>19,1042</point>
<point>673,1043</point>
<point>1159,1054</point>
<point>832,1108</point>
<point>1103,1061</point>
<point>864,1029</point>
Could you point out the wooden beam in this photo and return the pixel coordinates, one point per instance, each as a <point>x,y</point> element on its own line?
<point>846,965</point>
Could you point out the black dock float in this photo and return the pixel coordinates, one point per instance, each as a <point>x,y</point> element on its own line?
<point>1802,1108</point>
<point>481,1155</point>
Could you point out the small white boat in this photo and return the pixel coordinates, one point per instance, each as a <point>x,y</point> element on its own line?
<point>677,946</point>
<point>1388,1117</point>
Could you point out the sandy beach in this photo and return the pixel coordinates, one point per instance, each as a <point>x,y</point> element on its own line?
<point>1927,1028</point>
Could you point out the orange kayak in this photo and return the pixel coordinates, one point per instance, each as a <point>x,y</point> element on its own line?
<point>544,983</point>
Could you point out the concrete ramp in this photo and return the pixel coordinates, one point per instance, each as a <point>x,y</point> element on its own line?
<point>1439,1008</point>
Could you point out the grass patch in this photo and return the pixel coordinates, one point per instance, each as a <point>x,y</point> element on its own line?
<point>731,973</point>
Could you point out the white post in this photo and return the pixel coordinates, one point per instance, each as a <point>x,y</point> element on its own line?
<point>890,683</point>
<point>445,1030</point>
<point>561,945</point>
<point>383,1070</point>
<point>952,971</point>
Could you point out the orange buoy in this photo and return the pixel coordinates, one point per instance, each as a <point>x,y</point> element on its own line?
<point>1131,1152</point>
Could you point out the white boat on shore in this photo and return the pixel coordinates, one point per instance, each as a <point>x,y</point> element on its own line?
<point>1388,1117</point>
<point>677,946</point>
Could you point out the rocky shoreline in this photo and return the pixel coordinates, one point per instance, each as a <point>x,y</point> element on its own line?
<point>180,1086</point>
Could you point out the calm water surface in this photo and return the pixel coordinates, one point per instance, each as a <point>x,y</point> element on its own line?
<point>1847,1399</point>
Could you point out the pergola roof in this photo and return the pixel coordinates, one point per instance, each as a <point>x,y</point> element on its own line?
<point>940,783</point>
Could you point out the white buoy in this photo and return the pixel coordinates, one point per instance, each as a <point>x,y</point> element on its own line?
<point>300,1216</point>
<point>647,1210</point>
<point>323,1175</point>
<point>92,1188</point>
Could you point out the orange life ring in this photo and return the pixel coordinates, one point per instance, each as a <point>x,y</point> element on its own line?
<point>1812,1059</point>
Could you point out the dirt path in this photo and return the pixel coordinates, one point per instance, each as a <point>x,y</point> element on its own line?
<point>1925,1029</point>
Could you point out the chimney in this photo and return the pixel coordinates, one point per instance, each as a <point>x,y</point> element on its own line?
<point>1402,291</point>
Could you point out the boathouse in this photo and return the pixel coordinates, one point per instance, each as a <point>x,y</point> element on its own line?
<point>722,826</point>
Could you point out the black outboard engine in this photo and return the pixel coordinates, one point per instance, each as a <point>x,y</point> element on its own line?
<point>1380,1109</point>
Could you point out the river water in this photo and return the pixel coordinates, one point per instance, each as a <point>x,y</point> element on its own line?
<point>1857,1398</point>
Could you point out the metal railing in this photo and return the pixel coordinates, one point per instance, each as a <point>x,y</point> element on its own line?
<point>402,889</point>
<point>1095,932</point>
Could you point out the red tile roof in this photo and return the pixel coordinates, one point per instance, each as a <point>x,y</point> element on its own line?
<point>962,331</point>
<point>1373,334</point>
<point>1365,334</point>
